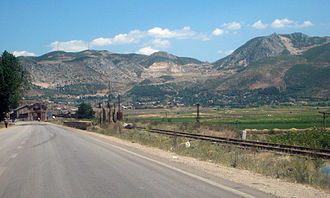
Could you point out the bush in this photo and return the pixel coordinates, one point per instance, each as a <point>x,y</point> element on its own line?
<point>85,111</point>
<point>314,138</point>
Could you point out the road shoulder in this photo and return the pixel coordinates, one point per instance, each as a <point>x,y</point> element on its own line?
<point>265,184</point>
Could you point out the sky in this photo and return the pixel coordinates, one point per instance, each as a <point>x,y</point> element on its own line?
<point>204,29</point>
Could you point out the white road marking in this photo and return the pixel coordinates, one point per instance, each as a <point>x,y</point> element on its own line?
<point>12,156</point>
<point>180,171</point>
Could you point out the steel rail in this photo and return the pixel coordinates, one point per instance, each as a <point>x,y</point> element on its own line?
<point>323,153</point>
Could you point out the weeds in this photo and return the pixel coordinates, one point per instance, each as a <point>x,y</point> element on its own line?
<point>314,138</point>
<point>282,166</point>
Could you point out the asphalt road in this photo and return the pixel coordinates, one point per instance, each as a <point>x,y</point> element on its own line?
<point>41,160</point>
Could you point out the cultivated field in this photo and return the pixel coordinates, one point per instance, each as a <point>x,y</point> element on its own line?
<point>267,117</point>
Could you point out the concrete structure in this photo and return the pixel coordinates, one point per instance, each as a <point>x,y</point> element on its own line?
<point>31,112</point>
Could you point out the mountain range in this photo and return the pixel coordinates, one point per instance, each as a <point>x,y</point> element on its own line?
<point>274,68</point>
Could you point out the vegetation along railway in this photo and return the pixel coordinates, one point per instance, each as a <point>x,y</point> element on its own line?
<point>318,153</point>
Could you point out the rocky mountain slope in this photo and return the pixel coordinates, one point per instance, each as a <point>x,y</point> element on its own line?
<point>270,46</point>
<point>58,69</point>
<point>282,65</point>
<point>311,70</point>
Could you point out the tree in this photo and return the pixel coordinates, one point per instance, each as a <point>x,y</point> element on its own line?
<point>14,82</point>
<point>85,111</point>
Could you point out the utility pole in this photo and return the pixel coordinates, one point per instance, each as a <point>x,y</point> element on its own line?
<point>324,118</point>
<point>197,115</point>
<point>197,105</point>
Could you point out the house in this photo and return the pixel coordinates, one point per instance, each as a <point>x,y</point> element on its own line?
<point>30,112</point>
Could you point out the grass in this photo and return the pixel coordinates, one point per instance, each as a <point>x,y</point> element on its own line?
<point>300,117</point>
<point>282,166</point>
<point>314,138</point>
<point>226,122</point>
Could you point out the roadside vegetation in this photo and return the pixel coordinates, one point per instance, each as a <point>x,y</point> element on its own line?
<point>223,123</point>
<point>260,118</point>
<point>291,168</point>
<point>14,81</point>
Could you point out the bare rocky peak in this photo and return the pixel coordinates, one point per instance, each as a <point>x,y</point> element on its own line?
<point>269,46</point>
<point>253,50</point>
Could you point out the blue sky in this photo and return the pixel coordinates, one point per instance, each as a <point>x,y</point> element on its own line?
<point>204,29</point>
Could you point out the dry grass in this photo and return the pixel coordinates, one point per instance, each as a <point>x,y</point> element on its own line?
<point>276,165</point>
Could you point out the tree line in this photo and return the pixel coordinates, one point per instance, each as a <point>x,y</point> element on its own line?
<point>14,82</point>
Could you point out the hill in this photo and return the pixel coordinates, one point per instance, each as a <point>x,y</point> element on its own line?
<point>265,70</point>
<point>270,46</point>
<point>91,71</point>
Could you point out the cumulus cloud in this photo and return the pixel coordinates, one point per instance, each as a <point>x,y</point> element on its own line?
<point>282,23</point>
<point>23,53</point>
<point>133,36</point>
<point>101,41</point>
<point>219,51</point>
<point>286,23</point>
<point>161,33</point>
<point>229,52</point>
<point>159,43</point>
<point>259,25</point>
<point>184,33</point>
<point>154,38</point>
<point>232,25</point>
<point>147,50</point>
<point>69,46</point>
<point>218,32</point>
<point>305,24</point>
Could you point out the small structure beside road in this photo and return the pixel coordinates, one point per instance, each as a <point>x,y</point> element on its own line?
<point>30,112</point>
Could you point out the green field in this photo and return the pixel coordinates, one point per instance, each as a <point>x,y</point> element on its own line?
<point>267,117</point>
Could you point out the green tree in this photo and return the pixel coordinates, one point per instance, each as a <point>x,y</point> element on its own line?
<point>85,111</point>
<point>14,81</point>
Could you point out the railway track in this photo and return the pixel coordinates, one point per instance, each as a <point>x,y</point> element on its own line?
<point>319,153</point>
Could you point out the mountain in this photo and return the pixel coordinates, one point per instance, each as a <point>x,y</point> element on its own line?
<point>66,70</point>
<point>270,46</point>
<point>166,57</point>
<point>268,69</point>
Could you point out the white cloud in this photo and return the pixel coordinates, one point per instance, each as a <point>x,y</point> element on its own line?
<point>282,23</point>
<point>161,33</point>
<point>218,32</point>
<point>229,52</point>
<point>147,50</point>
<point>259,25</point>
<point>69,46</point>
<point>184,33</point>
<point>101,41</point>
<point>154,38</point>
<point>286,23</point>
<point>219,51</point>
<point>232,25</point>
<point>159,43</point>
<point>305,24</point>
<point>133,36</point>
<point>23,53</point>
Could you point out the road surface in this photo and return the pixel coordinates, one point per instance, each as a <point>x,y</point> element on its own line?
<point>42,160</point>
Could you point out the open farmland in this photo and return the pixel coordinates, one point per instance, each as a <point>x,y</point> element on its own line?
<point>267,117</point>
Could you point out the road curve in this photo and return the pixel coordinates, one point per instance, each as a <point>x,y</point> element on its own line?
<point>41,160</point>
